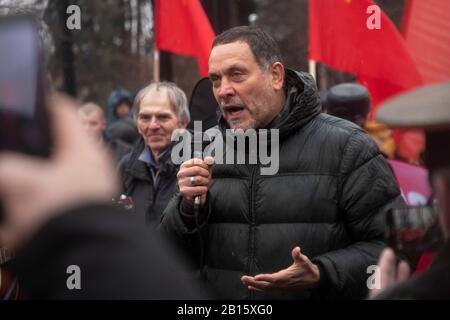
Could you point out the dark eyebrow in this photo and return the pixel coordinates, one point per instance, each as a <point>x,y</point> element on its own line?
<point>162,113</point>
<point>230,69</point>
<point>143,115</point>
<point>235,67</point>
<point>212,76</point>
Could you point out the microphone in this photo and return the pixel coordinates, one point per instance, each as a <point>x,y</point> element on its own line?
<point>198,147</point>
<point>197,199</point>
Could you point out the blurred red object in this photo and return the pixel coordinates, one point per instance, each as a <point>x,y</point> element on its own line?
<point>424,262</point>
<point>410,146</point>
<point>426,28</point>
<point>413,182</point>
<point>340,38</point>
<point>182,27</point>
<point>379,58</point>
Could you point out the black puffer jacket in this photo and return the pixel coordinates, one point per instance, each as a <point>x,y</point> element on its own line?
<point>328,197</point>
<point>137,182</point>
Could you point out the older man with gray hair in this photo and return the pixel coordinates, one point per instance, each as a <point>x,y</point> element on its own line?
<point>148,173</point>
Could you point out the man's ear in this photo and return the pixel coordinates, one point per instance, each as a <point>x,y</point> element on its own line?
<point>182,125</point>
<point>277,73</point>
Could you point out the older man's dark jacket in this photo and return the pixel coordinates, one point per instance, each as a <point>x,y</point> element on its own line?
<point>328,197</point>
<point>149,192</point>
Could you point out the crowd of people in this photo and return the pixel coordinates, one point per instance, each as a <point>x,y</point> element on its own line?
<point>201,229</point>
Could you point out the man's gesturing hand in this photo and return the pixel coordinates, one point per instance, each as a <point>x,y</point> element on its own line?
<point>194,178</point>
<point>302,274</point>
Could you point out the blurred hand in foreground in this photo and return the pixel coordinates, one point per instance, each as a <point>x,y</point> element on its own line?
<point>33,190</point>
<point>391,272</point>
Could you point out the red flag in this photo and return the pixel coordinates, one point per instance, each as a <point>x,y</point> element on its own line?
<point>340,38</point>
<point>182,27</point>
<point>426,28</point>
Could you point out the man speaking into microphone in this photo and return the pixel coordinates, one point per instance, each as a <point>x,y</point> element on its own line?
<point>308,231</point>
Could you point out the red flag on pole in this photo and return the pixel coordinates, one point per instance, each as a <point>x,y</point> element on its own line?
<point>426,28</point>
<point>340,38</point>
<point>182,27</point>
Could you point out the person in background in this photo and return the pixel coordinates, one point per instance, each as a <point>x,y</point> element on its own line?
<point>119,105</point>
<point>93,119</point>
<point>59,218</point>
<point>57,212</point>
<point>148,173</point>
<point>124,130</point>
<point>349,101</point>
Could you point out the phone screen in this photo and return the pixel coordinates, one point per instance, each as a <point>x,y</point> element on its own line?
<point>23,117</point>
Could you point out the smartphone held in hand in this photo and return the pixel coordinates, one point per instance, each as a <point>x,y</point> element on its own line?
<point>24,122</point>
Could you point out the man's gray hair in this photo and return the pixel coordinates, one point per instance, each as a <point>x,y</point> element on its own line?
<point>177,99</point>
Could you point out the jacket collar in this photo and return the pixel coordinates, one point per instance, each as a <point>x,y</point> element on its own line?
<point>147,157</point>
<point>139,169</point>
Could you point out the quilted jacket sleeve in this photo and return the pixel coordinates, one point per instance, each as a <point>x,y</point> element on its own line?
<point>182,230</point>
<point>367,190</point>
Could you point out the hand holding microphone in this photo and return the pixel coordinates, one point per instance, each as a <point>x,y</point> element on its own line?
<point>194,178</point>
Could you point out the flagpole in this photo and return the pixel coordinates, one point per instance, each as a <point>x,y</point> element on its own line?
<point>156,63</point>
<point>312,69</point>
<point>156,60</point>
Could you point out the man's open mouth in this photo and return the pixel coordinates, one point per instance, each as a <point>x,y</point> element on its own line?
<point>233,110</point>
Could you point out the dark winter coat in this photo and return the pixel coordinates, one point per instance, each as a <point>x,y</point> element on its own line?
<point>149,199</point>
<point>328,197</point>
